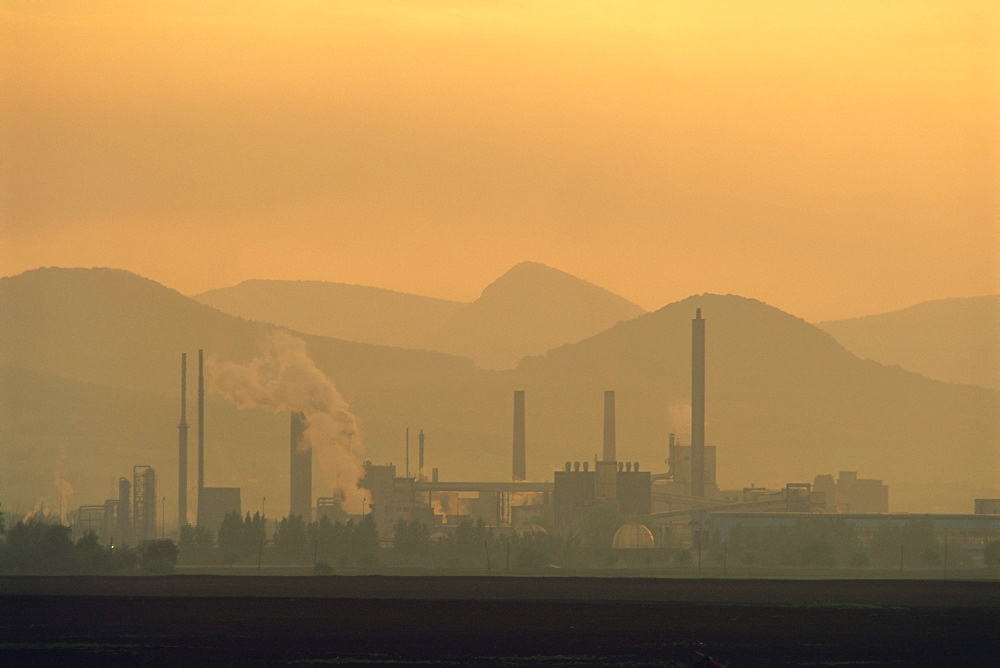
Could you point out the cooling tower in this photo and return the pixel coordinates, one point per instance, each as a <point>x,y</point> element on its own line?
<point>697,405</point>
<point>520,472</point>
<point>300,478</point>
<point>610,454</point>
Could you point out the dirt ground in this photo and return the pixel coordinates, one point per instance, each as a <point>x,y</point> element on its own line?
<point>211,620</point>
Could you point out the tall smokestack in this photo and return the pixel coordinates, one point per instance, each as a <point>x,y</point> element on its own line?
<point>697,405</point>
<point>201,424</point>
<point>420,455</point>
<point>300,478</point>
<point>609,427</point>
<point>182,454</point>
<point>520,469</point>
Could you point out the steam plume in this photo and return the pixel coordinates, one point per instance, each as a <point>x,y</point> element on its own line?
<point>62,486</point>
<point>284,378</point>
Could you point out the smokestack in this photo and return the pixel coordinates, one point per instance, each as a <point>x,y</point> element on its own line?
<point>300,471</point>
<point>420,454</point>
<point>201,423</point>
<point>182,454</point>
<point>698,405</point>
<point>609,427</point>
<point>520,471</point>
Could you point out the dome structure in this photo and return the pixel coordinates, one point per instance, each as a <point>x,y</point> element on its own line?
<point>632,536</point>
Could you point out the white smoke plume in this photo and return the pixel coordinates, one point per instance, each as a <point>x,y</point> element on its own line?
<point>440,509</point>
<point>526,498</point>
<point>62,486</point>
<point>680,417</point>
<point>37,511</point>
<point>283,379</point>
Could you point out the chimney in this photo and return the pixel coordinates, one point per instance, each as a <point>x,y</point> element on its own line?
<point>519,466</point>
<point>182,454</point>
<point>609,427</point>
<point>300,471</point>
<point>698,405</point>
<point>420,455</point>
<point>201,423</point>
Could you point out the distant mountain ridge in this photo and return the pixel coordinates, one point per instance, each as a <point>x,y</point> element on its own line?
<point>526,311</point>
<point>338,310</point>
<point>89,363</point>
<point>956,340</point>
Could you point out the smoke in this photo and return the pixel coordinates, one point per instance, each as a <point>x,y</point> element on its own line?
<point>680,417</point>
<point>62,486</point>
<point>284,378</point>
<point>440,509</point>
<point>526,498</point>
<point>37,511</point>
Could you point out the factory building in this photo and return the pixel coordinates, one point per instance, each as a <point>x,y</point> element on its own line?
<point>987,506</point>
<point>127,520</point>
<point>969,530</point>
<point>143,503</point>
<point>851,494</point>
<point>621,485</point>
<point>393,498</point>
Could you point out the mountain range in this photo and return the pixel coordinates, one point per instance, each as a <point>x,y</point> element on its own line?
<point>956,340</point>
<point>528,310</point>
<point>89,364</point>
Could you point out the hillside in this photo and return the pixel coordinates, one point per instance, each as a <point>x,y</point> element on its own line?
<point>527,311</point>
<point>93,369</point>
<point>785,402</point>
<point>955,340</point>
<point>117,329</point>
<point>337,310</point>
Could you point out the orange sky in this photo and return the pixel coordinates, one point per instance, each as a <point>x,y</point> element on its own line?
<point>832,161</point>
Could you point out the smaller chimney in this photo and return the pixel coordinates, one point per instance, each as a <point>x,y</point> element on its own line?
<point>520,471</point>
<point>586,466</point>
<point>609,426</point>
<point>420,438</point>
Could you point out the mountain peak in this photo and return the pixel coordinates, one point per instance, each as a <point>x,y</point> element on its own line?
<point>528,310</point>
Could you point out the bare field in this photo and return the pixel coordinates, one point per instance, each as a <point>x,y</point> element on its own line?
<point>206,620</point>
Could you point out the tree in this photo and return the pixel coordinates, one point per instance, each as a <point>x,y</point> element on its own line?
<point>196,544</point>
<point>41,548</point>
<point>157,557</point>
<point>915,542</point>
<point>411,538</point>
<point>230,539</point>
<point>991,553</point>
<point>93,558</point>
<point>290,540</point>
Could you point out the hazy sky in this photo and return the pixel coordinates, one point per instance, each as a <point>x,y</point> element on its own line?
<point>831,158</point>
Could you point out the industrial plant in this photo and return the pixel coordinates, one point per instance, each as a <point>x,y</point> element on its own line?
<point>682,501</point>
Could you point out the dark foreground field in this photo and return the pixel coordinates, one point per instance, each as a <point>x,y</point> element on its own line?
<point>199,620</point>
